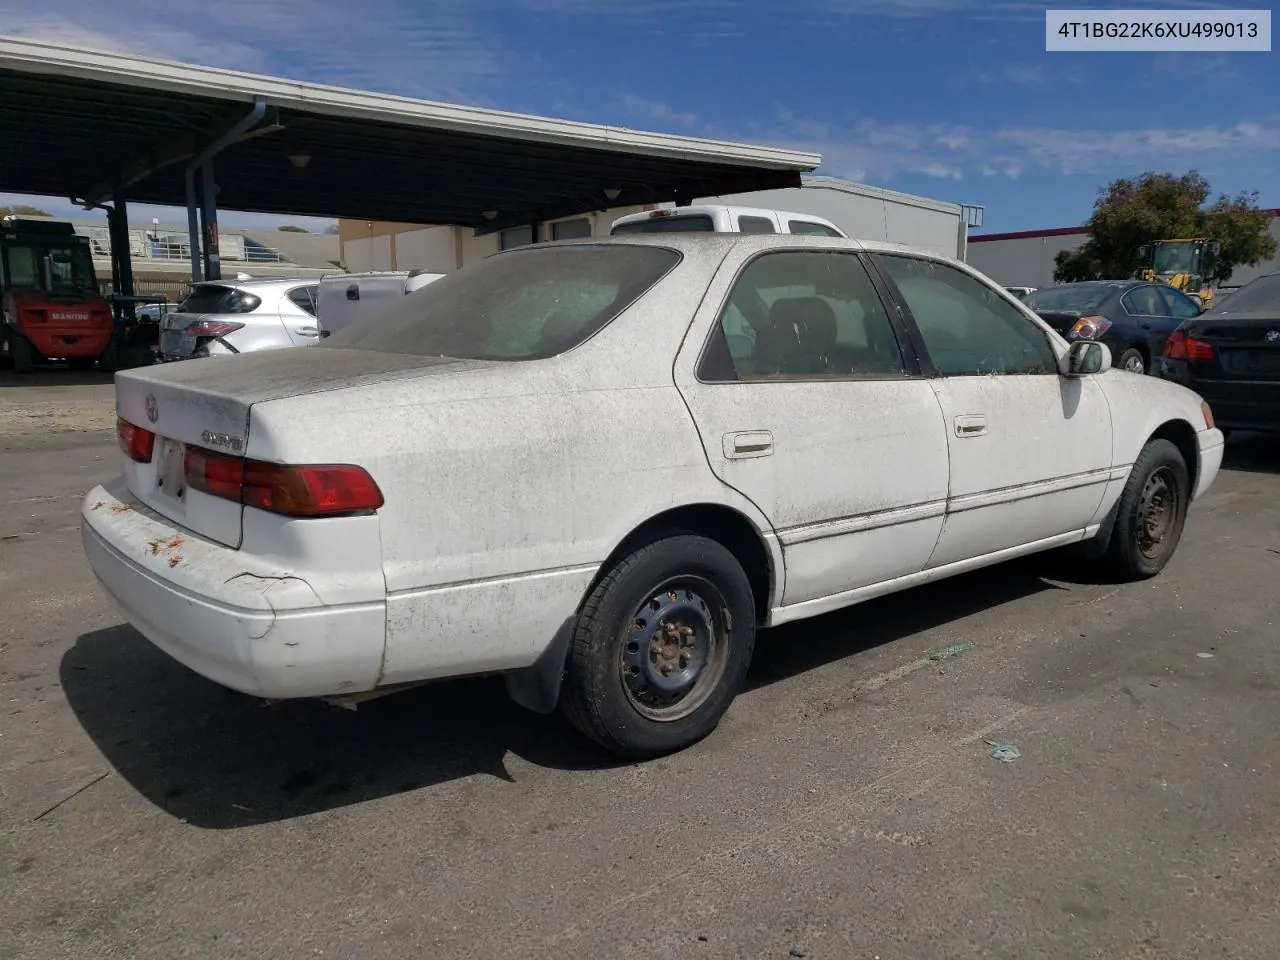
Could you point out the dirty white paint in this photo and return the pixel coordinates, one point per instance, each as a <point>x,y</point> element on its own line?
<point>507,485</point>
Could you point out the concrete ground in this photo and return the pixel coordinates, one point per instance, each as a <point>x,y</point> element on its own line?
<point>848,807</point>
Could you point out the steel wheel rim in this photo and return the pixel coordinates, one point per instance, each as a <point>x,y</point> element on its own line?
<point>1134,365</point>
<point>675,648</point>
<point>1158,511</point>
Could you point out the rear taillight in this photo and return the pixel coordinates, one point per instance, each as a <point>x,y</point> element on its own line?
<point>136,442</point>
<point>1089,328</point>
<point>1179,346</point>
<point>313,490</point>
<point>212,328</point>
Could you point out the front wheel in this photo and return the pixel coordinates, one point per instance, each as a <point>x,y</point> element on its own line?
<point>1151,513</point>
<point>23,354</point>
<point>661,648</point>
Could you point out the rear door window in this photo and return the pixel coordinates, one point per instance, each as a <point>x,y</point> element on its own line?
<point>1145,302</point>
<point>748,224</point>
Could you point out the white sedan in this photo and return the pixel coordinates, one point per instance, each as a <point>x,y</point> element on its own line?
<point>597,467</point>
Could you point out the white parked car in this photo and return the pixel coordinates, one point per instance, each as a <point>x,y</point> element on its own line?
<point>225,317</point>
<point>599,466</point>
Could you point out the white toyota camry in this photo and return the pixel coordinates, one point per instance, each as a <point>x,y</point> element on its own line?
<point>597,467</point>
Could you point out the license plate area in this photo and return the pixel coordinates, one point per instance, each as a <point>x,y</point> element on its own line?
<point>171,477</point>
<point>1256,361</point>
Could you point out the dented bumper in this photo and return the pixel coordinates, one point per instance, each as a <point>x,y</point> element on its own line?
<point>239,620</point>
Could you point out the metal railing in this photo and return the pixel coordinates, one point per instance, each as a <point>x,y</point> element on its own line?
<point>235,248</point>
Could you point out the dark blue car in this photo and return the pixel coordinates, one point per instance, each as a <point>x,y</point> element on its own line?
<point>1132,317</point>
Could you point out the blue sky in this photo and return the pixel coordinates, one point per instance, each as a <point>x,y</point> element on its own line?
<point>953,99</point>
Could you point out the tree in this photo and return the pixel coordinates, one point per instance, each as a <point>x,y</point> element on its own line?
<point>23,211</point>
<point>1131,212</point>
<point>290,228</point>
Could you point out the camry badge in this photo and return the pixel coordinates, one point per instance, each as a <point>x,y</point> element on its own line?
<point>153,409</point>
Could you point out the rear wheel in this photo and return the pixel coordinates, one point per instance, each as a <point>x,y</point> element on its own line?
<point>1133,361</point>
<point>661,647</point>
<point>1151,513</point>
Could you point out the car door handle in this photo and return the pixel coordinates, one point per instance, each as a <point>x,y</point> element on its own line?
<point>971,426</point>
<point>307,331</point>
<point>749,443</point>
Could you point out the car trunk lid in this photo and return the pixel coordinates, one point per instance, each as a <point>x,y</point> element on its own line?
<point>206,404</point>
<point>1246,345</point>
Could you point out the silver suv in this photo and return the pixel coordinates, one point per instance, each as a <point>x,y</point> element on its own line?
<point>221,317</point>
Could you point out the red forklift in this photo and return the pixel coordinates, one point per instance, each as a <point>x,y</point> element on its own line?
<point>52,307</point>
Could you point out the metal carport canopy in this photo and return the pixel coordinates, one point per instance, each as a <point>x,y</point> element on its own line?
<point>74,122</point>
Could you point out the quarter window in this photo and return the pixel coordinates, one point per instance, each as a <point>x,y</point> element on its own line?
<point>803,315</point>
<point>969,329</point>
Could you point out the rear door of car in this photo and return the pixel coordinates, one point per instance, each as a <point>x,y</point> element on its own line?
<point>810,403</point>
<point>298,314</point>
<point>1151,318</point>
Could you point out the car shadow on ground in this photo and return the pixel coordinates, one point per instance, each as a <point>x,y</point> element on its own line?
<point>220,760</point>
<point>1252,453</point>
<point>55,377</point>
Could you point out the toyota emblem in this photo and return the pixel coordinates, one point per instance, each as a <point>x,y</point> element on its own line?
<point>153,409</point>
<point>1273,336</point>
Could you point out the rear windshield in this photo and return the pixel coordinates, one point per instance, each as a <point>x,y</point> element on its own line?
<point>1075,296</point>
<point>1260,294</point>
<point>700,223</point>
<point>212,298</point>
<point>525,304</point>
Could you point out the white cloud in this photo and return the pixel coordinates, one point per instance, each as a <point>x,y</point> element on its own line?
<point>376,44</point>
<point>881,151</point>
<point>652,111</point>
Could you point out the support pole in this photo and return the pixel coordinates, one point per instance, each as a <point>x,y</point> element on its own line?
<point>193,225</point>
<point>123,251</point>
<point>209,218</point>
<point>204,161</point>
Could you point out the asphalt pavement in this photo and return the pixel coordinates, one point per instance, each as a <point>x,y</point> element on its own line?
<point>848,807</point>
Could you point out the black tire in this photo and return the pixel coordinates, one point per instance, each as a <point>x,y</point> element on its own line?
<point>24,355</point>
<point>1133,361</point>
<point>1151,512</point>
<point>705,614</point>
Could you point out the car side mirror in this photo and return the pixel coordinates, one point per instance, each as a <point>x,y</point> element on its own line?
<point>1087,357</point>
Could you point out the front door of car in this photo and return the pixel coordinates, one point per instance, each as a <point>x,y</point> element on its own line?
<point>808,405</point>
<point>1030,448</point>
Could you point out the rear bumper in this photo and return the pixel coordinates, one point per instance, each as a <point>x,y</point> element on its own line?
<point>225,615</point>
<point>1236,404</point>
<point>61,340</point>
